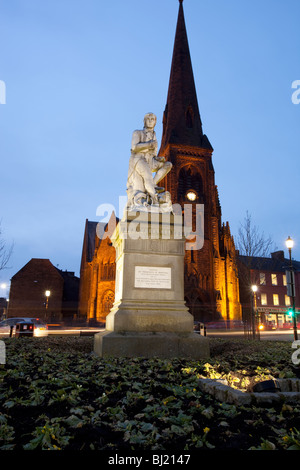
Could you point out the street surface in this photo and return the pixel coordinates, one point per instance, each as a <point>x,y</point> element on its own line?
<point>273,335</point>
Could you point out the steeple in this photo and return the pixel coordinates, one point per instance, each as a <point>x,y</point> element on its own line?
<point>181,121</point>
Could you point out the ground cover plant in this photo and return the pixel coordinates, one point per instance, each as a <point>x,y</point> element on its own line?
<point>55,394</point>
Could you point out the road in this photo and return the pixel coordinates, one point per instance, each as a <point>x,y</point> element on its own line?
<point>271,335</point>
<point>74,331</point>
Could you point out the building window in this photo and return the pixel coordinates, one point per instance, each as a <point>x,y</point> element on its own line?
<point>284,279</point>
<point>275,299</point>
<point>274,279</point>
<point>263,299</point>
<point>287,300</point>
<point>189,118</point>
<point>262,279</point>
<point>108,272</point>
<point>107,301</point>
<point>189,180</point>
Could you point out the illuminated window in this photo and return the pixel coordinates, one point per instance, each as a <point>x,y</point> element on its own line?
<point>262,278</point>
<point>189,180</point>
<point>263,299</point>
<point>284,280</point>
<point>287,300</point>
<point>275,299</point>
<point>274,279</point>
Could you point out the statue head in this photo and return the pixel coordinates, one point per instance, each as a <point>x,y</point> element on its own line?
<point>149,121</point>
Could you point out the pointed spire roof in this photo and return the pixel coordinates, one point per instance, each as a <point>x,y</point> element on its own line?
<point>181,121</point>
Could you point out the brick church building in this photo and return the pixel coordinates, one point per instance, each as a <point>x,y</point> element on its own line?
<point>211,274</point>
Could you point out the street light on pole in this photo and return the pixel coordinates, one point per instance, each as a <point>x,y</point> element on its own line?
<point>47,294</point>
<point>254,290</point>
<point>291,283</point>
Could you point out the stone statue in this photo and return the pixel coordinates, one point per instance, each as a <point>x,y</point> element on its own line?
<point>142,188</point>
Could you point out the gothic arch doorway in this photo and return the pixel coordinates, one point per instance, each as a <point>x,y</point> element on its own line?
<point>199,305</point>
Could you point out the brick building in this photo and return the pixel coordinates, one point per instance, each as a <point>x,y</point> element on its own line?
<point>28,292</point>
<point>211,274</point>
<point>97,272</point>
<point>272,299</point>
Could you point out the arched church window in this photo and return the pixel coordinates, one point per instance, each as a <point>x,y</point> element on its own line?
<point>190,185</point>
<point>189,118</point>
<point>107,301</point>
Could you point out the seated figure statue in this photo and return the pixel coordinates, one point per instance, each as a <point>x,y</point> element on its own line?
<point>142,188</point>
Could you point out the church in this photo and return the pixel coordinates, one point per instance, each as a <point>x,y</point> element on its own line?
<point>211,283</point>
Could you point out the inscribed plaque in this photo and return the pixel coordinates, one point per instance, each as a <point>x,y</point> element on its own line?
<point>151,277</point>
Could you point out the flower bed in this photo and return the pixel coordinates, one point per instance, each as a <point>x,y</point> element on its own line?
<point>55,394</point>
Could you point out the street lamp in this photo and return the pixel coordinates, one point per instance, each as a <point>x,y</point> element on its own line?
<point>291,284</point>
<point>289,244</point>
<point>254,290</point>
<point>47,294</point>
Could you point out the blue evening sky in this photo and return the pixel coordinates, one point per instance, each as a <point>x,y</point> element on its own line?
<point>81,74</point>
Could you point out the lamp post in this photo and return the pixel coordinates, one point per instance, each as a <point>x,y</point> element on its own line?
<point>289,244</point>
<point>254,290</point>
<point>47,294</point>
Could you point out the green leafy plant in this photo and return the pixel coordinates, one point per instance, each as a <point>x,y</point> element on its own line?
<point>51,436</point>
<point>55,394</point>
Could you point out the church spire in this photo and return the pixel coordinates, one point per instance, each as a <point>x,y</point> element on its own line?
<point>181,121</point>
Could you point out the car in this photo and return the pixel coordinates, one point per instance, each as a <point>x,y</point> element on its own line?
<point>8,327</point>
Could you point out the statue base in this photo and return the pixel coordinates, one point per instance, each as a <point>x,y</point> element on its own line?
<point>149,345</point>
<point>149,317</point>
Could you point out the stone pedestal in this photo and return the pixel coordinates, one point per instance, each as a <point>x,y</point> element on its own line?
<point>149,317</point>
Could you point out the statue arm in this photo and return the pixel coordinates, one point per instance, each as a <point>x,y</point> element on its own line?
<point>138,146</point>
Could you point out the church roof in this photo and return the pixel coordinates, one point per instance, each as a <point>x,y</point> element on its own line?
<point>89,241</point>
<point>182,122</point>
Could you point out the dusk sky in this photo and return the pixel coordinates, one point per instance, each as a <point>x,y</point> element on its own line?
<point>79,77</point>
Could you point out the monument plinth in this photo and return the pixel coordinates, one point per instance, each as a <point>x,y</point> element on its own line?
<point>149,317</point>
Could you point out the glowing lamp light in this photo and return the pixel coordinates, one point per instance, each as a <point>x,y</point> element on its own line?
<point>191,195</point>
<point>289,243</point>
<point>47,293</point>
<point>254,288</point>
